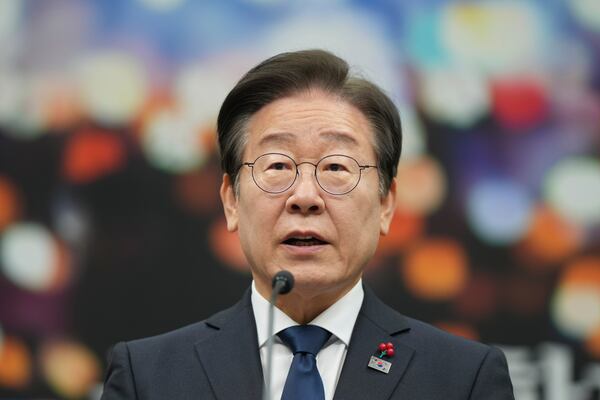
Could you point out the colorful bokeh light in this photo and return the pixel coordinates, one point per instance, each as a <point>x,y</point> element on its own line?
<point>57,102</point>
<point>499,211</point>
<point>16,367</point>
<point>70,368</point>
<point>112,86</point>
<point>16,105</point>
<point>477,34</point>
<point>519,104</point>
<point>72,222</point>
<point>9,203</point>
<point>435,269</point>
<point>586,12</point>
<point>30,256</point>
<point>10,17</point>
<point>549,239</point>
<point>201,88</point>
<point>173,143</point>
<point>424,38</point>
<point>405,229</point>
<point>572,187</point>
<point>456,96</point>
<point>421,186</point>
<point>91,154</point>
<point>576,310</point>
<point>592,344</point>
<point>162,5</point>
<point>353,35</point>
<point>582,271</point>
<point>11,95</point>
<point>413,135</point>
<point>576,303</point>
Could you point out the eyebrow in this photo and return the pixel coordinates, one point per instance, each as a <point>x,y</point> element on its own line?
<point>287,138</point>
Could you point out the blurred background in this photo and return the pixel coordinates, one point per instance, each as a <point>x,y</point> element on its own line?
<point>110,223</point>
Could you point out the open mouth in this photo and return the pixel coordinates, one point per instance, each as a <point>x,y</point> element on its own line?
<point>304,241</point>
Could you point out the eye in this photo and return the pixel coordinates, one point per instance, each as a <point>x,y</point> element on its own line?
<point>335,167</point>
<point>279,166</point>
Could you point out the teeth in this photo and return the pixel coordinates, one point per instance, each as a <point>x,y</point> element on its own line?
<point>304,240</point>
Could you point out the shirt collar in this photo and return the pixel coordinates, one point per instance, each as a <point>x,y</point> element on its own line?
<point>339,318</point>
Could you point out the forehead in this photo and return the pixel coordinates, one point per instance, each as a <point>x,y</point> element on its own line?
<point>310,123</point>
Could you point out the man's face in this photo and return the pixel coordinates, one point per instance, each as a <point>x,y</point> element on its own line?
<point>274,228</point>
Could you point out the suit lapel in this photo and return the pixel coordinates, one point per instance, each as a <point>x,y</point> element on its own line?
<point>376,323</point>
<point>229,353</point>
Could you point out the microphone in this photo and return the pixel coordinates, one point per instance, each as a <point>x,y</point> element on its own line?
<point>283,282</point>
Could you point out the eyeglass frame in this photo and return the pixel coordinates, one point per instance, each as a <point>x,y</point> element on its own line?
<point>361,168</point>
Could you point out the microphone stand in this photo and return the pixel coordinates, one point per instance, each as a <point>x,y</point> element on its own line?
<point>283,282</point>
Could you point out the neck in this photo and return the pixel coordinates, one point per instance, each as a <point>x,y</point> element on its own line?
<point>305,304</point>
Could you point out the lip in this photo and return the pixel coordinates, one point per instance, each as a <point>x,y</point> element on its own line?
<point>304,250</point>
<point>304,234</point>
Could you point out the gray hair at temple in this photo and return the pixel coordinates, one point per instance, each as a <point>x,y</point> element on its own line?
<point>287,74</point>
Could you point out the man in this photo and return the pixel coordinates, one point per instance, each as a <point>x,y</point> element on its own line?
<point>309,155</point>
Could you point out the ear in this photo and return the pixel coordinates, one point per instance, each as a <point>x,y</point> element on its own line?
<point>388,206</point>
<point>230,205</point>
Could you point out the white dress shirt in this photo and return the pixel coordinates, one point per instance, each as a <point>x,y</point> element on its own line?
<point>338,319</point>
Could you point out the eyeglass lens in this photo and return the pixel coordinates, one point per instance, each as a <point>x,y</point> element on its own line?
<point>336,174</point>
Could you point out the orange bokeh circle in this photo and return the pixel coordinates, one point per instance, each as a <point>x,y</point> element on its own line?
<point>9,204</point>
<point>582,271</point>
<point>435,269</point>
<point>405,228</point>
<point>15,363</point>
<point>592,344</point>
<point>70,368</point>
<point>549,240</point>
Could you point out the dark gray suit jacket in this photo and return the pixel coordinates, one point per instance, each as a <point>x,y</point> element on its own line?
<point>218,359</point>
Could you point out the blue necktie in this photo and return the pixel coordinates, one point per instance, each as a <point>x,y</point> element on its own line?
<point>303,381</point>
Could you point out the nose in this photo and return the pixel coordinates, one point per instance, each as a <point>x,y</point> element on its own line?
<point>305,197</point>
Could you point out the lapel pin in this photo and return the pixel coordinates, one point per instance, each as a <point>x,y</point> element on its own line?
<point>378,363</point>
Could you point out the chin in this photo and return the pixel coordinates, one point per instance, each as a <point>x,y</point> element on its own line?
<point>313,283</point>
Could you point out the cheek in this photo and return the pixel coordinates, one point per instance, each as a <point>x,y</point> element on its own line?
<point>251,236</point>
<point>257,216</point>
<point>245,216</point>
<point>250,228</point>
<point>360,227</point>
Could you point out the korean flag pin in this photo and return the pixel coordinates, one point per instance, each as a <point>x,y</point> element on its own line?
<point>378,363</point>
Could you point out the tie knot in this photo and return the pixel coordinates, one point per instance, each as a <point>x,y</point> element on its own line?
<point>304,338</point>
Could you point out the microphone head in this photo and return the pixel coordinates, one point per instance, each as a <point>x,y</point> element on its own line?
<point>285,281</point>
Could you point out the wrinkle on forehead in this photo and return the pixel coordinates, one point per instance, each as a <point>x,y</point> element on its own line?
<point>287,138</point>
<point>317,117</point>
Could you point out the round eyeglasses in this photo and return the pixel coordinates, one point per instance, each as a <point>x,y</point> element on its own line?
<point>336,174</point>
